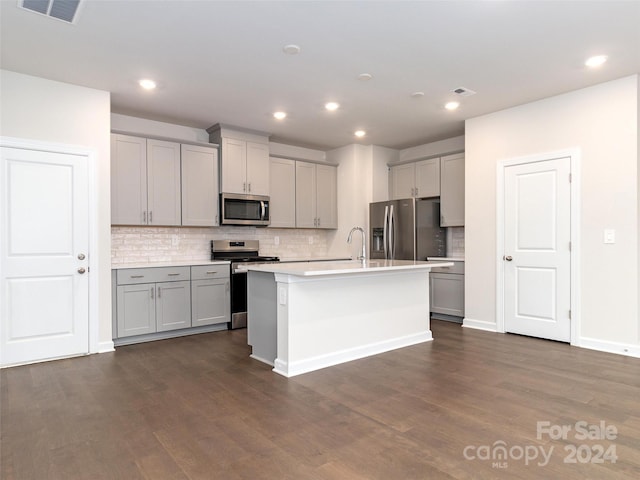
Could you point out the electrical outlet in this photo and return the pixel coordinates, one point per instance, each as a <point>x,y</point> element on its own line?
<point>609,235</point>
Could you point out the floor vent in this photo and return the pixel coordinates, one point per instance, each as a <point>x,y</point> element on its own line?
<point>463,92</point>
<point>65,10</point>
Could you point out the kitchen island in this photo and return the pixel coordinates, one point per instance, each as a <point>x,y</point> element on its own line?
<point>303,317</point>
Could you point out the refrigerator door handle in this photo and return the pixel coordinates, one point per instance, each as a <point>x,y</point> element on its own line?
<point>385,232</point>
<point>392,235</point>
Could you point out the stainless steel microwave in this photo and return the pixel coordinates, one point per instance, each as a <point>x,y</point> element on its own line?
<point>238,209</point>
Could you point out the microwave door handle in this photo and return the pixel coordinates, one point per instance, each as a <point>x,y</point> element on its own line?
<point>262,210</point>
<point>385,232</point>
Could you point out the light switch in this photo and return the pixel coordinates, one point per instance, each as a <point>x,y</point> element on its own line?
<point>609,235</point>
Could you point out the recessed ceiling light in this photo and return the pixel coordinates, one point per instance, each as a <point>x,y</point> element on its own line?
<point>359,133</point>
<point>332,106</point>
<point>147,84</point>
<point>365,76</point>
<point>417,94</point>
<point>452,105</point>
<point>596,61</point>
<point>280,115</point>
<point>291,49</point>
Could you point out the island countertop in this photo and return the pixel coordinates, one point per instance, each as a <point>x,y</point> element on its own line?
<point>344,267</point>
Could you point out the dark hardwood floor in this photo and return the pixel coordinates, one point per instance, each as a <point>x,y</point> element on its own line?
<point>198,408</point>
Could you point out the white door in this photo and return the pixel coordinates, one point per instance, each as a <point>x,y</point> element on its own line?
<point>44,250</point>
<point>537,259</point>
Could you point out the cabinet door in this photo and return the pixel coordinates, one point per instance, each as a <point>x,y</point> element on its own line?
<point>163,178</point>
<point>199,181</point>
<point>452,191</point>
<point>136,309</point>
<point>210,302</point>
<point>327,196</point>
<point>128,180</point>
<point>403,181</point>
<point>447,294</point>
<point>305,195</point>
<point>173,305</point>
<point>282,207</point>
<point>257,168</point>
<point>428,178</point>
<point>234,166</point>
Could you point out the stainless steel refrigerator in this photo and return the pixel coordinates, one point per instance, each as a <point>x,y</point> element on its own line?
<point>407,229</point>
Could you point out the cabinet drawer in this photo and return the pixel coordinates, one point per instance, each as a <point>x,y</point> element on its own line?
<point>205,272</point>
<point>131,276</point>
<point>457,267</point>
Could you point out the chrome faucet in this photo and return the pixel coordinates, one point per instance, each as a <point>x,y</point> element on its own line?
<point>363,254</point>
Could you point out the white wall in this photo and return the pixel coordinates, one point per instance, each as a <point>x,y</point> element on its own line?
<point>601,121</point>
<point>153,128</point>
<point>47,111</point>
<point>442,147</point>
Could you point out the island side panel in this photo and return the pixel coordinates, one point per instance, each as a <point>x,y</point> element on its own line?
<point>262,316</point>
<point>333,319</point>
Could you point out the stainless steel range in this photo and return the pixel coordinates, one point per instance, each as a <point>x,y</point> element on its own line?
<point>239,252</point>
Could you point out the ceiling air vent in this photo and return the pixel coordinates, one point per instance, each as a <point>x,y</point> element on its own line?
<point>64,10</point>
<point>463,92</point>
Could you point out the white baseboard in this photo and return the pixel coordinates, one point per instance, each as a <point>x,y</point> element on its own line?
<point>105,347</point>
<point>610,347</point>
<point>290,369</point>
<point>260,359</point>
<point>479,324</point>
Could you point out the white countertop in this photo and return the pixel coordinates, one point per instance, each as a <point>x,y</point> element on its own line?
<point>191,263</point>
<point>315,259</point>
<point>445,259</point>
<point>307,269</point>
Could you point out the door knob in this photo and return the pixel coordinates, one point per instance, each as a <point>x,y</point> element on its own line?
<point>508,258</point>
<point>81,270</point>
<point>81,256</point>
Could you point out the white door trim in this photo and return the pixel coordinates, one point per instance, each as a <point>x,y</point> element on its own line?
<point>94,269</point>
<point>574,155</point>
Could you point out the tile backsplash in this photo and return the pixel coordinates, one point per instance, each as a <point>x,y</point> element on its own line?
<point>455,242</point>
<point>178,244</point>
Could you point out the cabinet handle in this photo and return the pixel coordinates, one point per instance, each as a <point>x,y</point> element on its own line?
<point>249,187</point>
<point>159,292</point>
<point>152,289</point>
<point>244,186</point>
<point>226,287</point>
<point>173,274</point>
<point>144,217</point>
<point>318,221</point>
<point>212,272</point>
<point>416,191</point>
<point>150,217</point>
<point>136,276</point>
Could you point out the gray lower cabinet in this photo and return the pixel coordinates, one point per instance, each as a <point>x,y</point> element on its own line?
<point>153,300</point>
<point>210,297</point>
<point>447,292</point>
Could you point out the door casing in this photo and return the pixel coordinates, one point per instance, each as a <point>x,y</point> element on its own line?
<point>94,269</point>
<point>574,155</point>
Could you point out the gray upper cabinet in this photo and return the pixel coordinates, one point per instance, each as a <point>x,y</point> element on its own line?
<point>145,181</point>
<point>282,208</point>
<point>452,186</point>
<point>244,159</point>
<point>417,179</point>
<point>163,183</point>
<point>316,195</point>
<point>128,180</point>
<point>199,186</point>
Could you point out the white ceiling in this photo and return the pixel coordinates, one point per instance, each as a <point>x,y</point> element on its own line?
<point>222,62</point>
